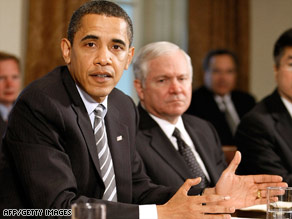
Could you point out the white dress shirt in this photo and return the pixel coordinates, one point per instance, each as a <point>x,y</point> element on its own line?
<point>4,111</point>
<point>288,105</point>
<point>168,129</point>
<point>145,211</point>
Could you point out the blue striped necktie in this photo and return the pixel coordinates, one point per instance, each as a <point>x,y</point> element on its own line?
<point>104,155</point>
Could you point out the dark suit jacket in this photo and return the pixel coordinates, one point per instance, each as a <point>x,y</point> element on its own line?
<point>264,138</point>
<point>2,127</point>
<point>2,131</point>
<point>163,162</point>
<point>49,150</point>
<point>204,106</point>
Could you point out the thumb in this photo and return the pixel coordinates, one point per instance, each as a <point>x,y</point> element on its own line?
<point>188,184</point>
<point>234,163</point>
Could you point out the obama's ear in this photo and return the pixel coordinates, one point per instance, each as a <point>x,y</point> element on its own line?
<point>66,50</point>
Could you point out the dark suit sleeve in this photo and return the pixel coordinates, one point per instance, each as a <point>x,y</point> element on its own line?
<point>260,148</point>
<point>143,188</point>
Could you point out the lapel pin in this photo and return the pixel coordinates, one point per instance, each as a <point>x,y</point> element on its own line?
<point>119,138</point>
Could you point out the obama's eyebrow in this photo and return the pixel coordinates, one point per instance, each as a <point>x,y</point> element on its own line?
<point>94,37</point>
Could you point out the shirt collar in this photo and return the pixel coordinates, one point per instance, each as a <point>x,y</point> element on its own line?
<point>89,102</point>
<point>167,127</point>
<point>4,111</point>
<point>288,105</point>
<point>226,97</point>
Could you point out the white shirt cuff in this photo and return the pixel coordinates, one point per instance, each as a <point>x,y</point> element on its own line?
<point>148,212</point>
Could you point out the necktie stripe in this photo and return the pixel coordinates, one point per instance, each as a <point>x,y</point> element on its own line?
<point>107,172</point>
<point>111,181</point>
<point>108,179</point>
<point>104,156</point>
<point>103,161</point>
<point>97,128</point>
<point>102,150</point>
<point>106,159</point>
<point>99,140</point>
<point>190,159</point>
<point>110,188</point>
<point>113,194</point>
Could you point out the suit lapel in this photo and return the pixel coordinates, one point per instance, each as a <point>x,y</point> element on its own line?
<point>160,143</point>
<point>83,120</point>
<point>281,116</point>
<point>284,127</point>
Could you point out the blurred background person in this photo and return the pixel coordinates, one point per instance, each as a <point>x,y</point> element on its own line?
<point>10,84</point>
<point>264,134</point>
<point>217,101</point>
<point>163,81</point>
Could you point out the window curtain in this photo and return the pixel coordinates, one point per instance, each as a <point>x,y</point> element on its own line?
<point>219,24</point>
<point>47,25</point>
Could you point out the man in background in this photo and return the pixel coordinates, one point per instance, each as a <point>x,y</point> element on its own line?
<point>217,101</point>
<point>163,81</point>
<point>264,134</point>
<point>10,83</point>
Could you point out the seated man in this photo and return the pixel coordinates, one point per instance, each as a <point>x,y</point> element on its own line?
<point>10,83</point>
<point>163,81</point>
<point>264,134</point>
<point>217,101</point>
<point>175,146</point>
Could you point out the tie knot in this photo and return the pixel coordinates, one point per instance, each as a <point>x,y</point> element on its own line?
<point>99,111</point>
<point>176,133</point>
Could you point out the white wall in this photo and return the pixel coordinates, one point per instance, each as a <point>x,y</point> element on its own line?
<point>269,19</point>
<point>13,27</point>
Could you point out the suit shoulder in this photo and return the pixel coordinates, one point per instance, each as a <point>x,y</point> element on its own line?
<point>194,120</point>
<point>123,104</point>
<point>242,94</point>
<point>256,116</point>
<point>120,98</point>
<point>49,83</point>
<point>201,92</point>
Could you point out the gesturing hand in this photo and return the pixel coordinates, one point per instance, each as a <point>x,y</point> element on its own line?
<point>189,207</point>
<point>245,190</point>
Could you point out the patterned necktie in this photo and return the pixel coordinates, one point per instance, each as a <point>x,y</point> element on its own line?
<point>104,155</point>
<point>190,159</point>
<point>230,120</point>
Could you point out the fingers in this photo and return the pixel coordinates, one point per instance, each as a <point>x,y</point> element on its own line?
<point>272,192</point>
<point>211,198</point>
<point>234,163</point>
<point>267,178</point>
<point>263,186</point>
<point>188,184</point>
<point>217,209</point>
<point>264,200</point>
<point>212,216</point>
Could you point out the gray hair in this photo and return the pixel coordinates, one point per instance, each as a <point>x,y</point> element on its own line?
<point>152,51</point>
